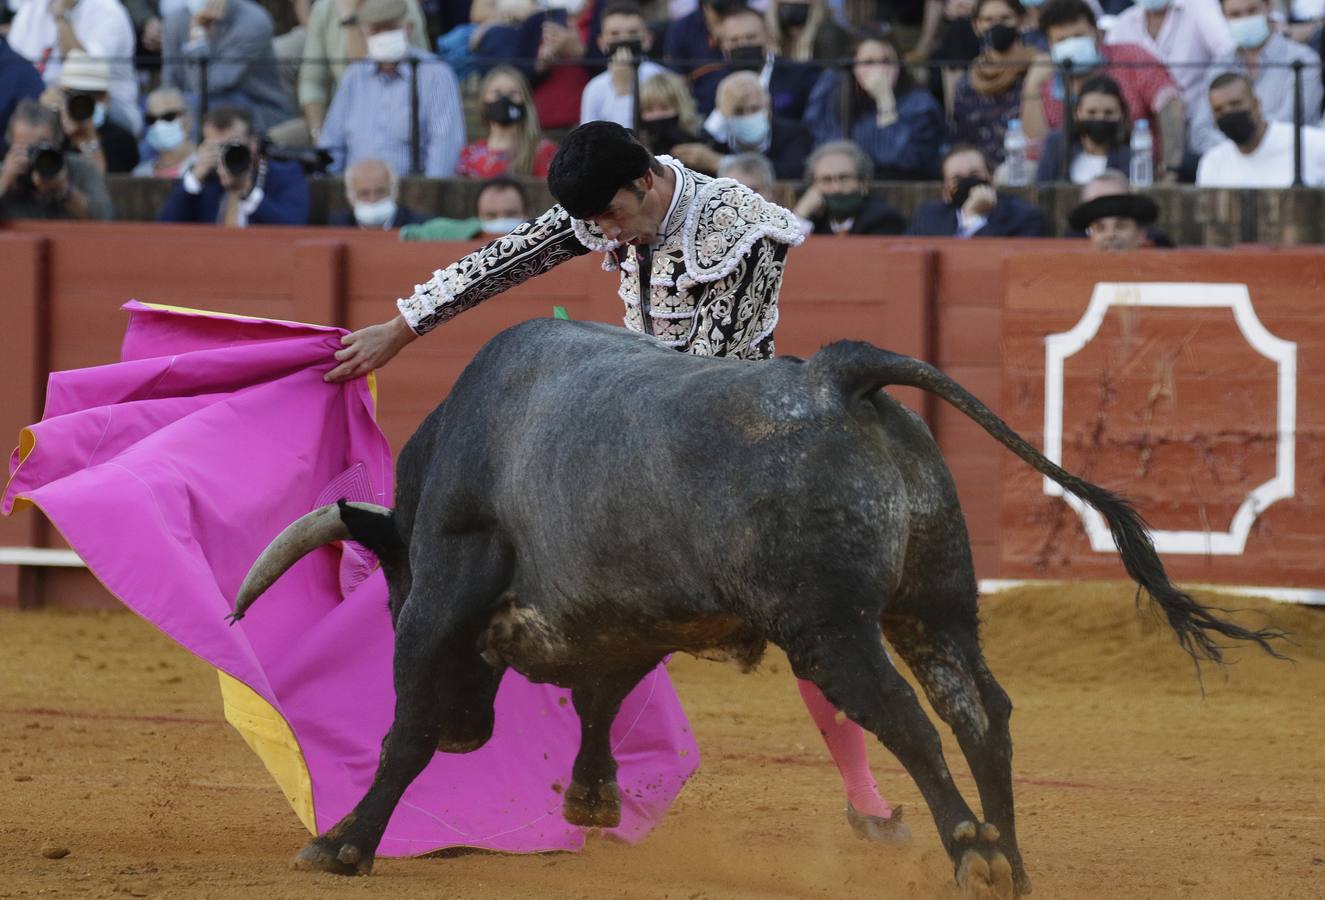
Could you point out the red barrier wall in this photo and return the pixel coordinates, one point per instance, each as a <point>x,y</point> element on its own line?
<point>947,301</point>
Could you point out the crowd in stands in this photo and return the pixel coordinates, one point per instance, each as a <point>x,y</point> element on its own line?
<point>240,102</point>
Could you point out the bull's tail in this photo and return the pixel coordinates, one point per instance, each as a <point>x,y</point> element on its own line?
<point>369,524</point>
<point>858,369</point>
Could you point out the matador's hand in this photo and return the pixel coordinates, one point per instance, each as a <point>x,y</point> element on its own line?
<point>370,348</point>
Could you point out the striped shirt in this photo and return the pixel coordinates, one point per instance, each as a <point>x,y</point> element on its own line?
<point>369,117</point>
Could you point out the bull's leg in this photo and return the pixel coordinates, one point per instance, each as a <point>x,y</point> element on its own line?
<point>593,800</point>
<point>952,671</point>
<point>855,674</point>
<point>436,661</point>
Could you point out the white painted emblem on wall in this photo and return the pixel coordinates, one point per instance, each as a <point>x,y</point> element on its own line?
<point>1059,347</point>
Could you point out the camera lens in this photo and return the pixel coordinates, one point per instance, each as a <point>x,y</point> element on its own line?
<point>237,158</point>
<point>47,160</point>
<point>80,107</point>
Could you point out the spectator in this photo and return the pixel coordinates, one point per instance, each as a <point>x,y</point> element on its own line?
<point>1114,221</point>
<point>1265,56</point>
<point>668,113</point>
<point>45,31</point>
<point>1257,153</point>
<point>752,170</point>
<point>1190,34</point>
<point>19,79</point>
<point>610,95</point>
<point>742,123</point>
<point>500,207</point>
<point>169,133</point>
<point>746,45</point>
<point>228,182</point>
<point>804,30</point>
<point>372,191</point>
<point>838,200</point>
<point>988,94</point>
<point>971,208</point>
<point>335,39</point>
<point>514,144</point>
<point>234,38</point>
<point>38,181</point>
<point>1149,89</point>
<point>897,123</point>
<point>690,44</point>
<point>145,19</point>
<point>554,39</point>
<point>372,114</point>
<point>1108,182</point>
<point>1101,136</point>
<point>81,100</point>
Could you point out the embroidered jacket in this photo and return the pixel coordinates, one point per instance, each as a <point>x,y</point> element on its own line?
<point>717,269</point>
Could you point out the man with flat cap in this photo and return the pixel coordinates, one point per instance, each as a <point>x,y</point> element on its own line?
<point>1113,219</point>
<point>715,252</point>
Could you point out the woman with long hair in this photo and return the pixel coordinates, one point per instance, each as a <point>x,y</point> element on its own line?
<point>667,113</point>
<point>988,94</point>
<point>514,144</point>
<point>879,106</point>
<point>1101,136</point>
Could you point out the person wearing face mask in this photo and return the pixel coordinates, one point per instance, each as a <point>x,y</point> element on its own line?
<point>1148,87</point>
<point>47,31</point>
<point>668,113</point>
<point>235,36</point>
<point>1101,134</point>
<point>372,191</point>
<point>838,200</point>
<point>169,127</point>
<point>988,94</point>
<point>742,123</point>
<point>971,208</point>
<point>1192,32</point>
<point>804,30</point>
<point>1255,153</point>
<point>514,143</point>
<point>1266,57</point>
<point>370,117</point>
<point>746,45</point>
<point>82,100</point>
<point>499,208</point>
<point>624,36</point>
<point>690,44</point>
<point>897,123</point>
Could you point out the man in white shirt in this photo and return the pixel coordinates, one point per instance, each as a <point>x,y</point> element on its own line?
<point>1257,154</point>
<point>610,95</point>
<point>45,31</point>
<point>1189,35</point>
<point>1265,56</point>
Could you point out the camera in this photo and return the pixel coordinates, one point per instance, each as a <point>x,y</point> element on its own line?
<point>80,105</point>
<point>237,157</point>
<point>46,159</point>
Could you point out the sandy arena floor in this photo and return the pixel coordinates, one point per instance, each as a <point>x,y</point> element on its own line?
<point>1130,785</point>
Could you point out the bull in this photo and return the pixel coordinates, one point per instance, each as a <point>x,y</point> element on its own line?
<point>586,501</point>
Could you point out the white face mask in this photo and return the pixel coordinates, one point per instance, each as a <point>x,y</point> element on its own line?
<point>501,226</point>
<point>388,46</point>
<point>195,6</point>
<point>749,131</point>
<point>165,136</point>
<point>375,215</point>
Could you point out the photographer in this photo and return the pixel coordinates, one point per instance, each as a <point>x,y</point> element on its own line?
<point>230,182</point>
<point>38,180</point>
<point>81,100</point>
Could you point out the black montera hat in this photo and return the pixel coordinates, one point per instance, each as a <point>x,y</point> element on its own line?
<point>595,161</point>
<point>1123,206</point>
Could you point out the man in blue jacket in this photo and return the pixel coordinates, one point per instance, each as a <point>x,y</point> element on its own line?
<point>229,182</point>
<point>970,206</point>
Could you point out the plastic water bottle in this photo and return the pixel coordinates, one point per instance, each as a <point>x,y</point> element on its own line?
<point>1016,170</point>
<point>1143,155</point>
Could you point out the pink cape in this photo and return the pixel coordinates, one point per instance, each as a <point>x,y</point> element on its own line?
<point>170,471</point>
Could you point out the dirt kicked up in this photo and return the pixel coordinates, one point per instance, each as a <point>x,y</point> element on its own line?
<point>119,778</point>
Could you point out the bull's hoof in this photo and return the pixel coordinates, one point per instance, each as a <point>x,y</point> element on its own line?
<point>983,872</point>
<point>889,831</point>
<point>334,857</point>
<point>597,806</point>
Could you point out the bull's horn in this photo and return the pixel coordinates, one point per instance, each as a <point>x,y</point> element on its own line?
<point>301,537</point>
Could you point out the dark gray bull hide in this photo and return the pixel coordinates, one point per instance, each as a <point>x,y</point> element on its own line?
<point>586,502</point>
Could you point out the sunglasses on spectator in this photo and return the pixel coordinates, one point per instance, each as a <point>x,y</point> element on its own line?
<point>165,116</point>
